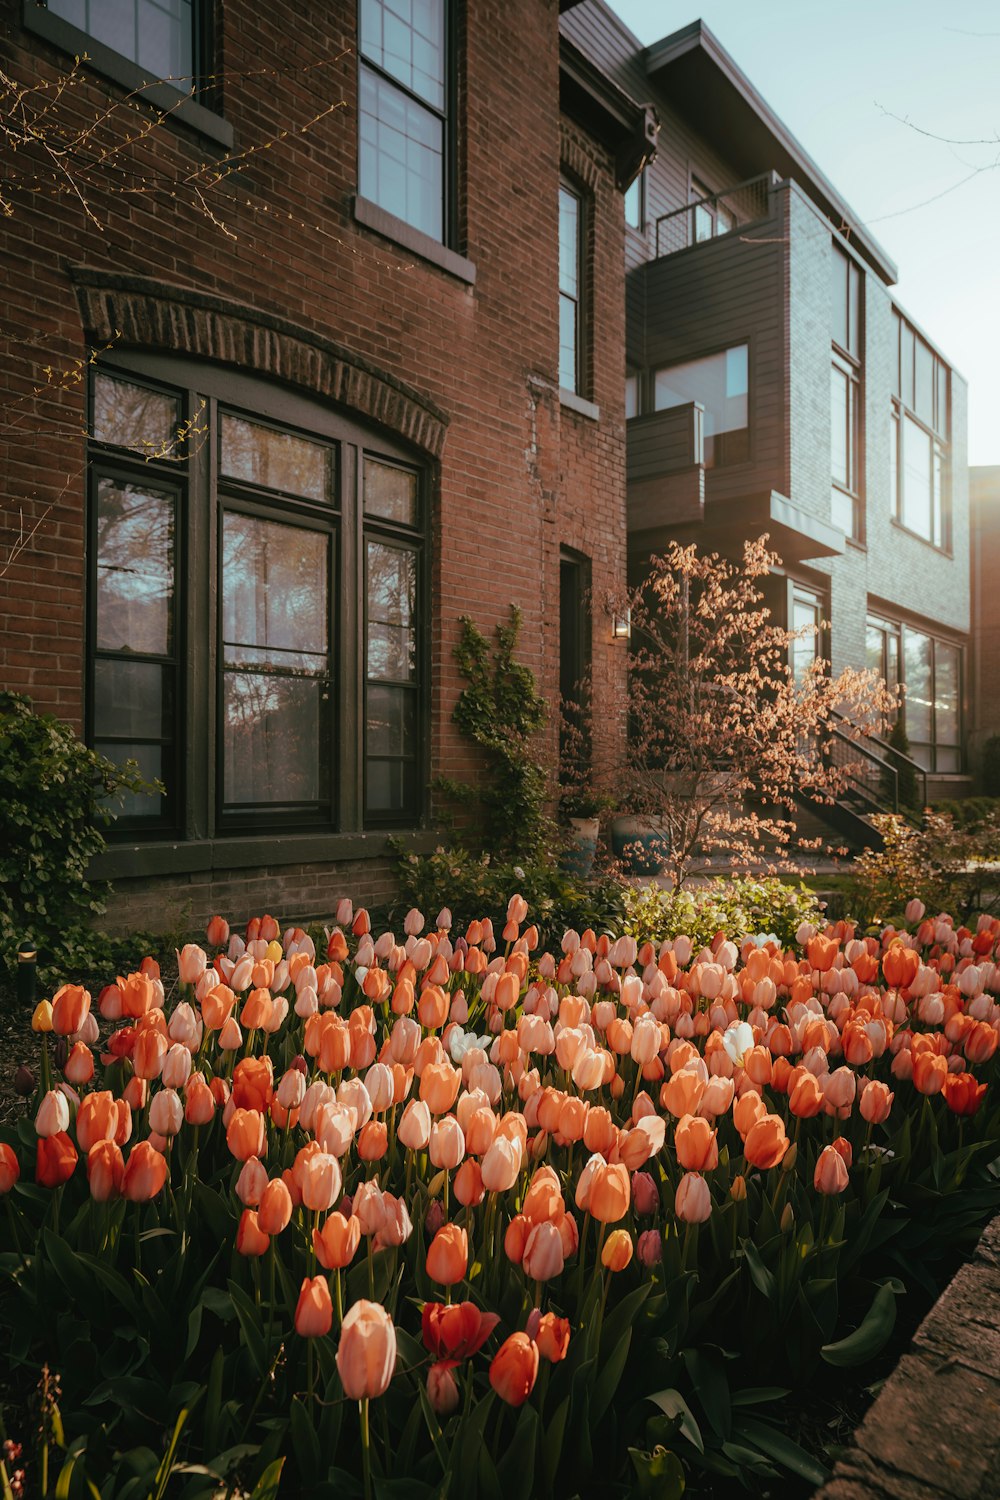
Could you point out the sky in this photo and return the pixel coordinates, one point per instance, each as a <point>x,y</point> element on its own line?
<point>867,86</point>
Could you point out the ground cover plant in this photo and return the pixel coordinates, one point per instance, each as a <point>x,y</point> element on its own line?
<point>437,1212</point>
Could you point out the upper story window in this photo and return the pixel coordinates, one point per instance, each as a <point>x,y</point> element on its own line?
<point>720,382</point>
<point>403,111</point>
<point>257,574</point>
<point>710,215</point>
<point>571,290</point>
<point>920,437</point>
<point>845,394</point>
<point>160,36</point>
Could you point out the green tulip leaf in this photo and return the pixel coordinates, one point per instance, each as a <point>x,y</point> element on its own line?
<point>871,1334</point>
<point>672,1404</point>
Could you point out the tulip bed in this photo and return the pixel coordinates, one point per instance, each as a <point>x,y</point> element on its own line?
<point>439,1214</point>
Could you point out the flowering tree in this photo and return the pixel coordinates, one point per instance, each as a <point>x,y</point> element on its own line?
<point>722,735</point>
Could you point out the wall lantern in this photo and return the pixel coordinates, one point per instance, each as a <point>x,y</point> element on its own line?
<point>621,625</point>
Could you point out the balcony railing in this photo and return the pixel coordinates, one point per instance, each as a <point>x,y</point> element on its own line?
<point>714,216</point>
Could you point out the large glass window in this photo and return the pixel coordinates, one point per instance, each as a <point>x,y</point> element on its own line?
<point>227,551</point>
<point>721,383</point>
<point>710,215</point>
<point>920,437</point>
<point>158,35</point>
<point>403,111</point>
<point>807,617</point>
<point>845,395</point>
<point>930,670</point>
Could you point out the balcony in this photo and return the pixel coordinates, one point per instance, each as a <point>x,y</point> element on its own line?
<point>715,216</point>
<point>723,324</point>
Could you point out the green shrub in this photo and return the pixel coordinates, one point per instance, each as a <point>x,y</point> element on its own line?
<point>477,885</point>
<point>947,867</point>
<point>501,711</point>
<point>54,793</point>
<point>969,812</point>
<point>737,907</point>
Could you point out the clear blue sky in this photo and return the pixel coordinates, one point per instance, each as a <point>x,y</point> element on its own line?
<point>836,72</point>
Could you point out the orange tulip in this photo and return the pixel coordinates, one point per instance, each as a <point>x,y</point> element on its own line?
<point>10,1168</point>
<point>217,932</point>
<point>250,1238</point>
<point>275,1209</point>
<point>148,1053</point>
<point>875,1102</point>
<point>314,1309</point>
<point>70,1008</point>
<point>246,1134</point>
<point>468,1184</point>
<point>253,1084</point>
<point>366,1354</point>
<point>448,1255</point>
<point>610,1193</point>
<point>805,1097</point>
<point>138,993</point>
<point>929,1072</point>
<point>439,1084</point>
<point>514,1369</point>
<point>55,1159</point>
<point>337,1242</point>
<point>766,1142</point>
<point>696,1144</point>
<point>552,1337</point>
<point>145,1173</point>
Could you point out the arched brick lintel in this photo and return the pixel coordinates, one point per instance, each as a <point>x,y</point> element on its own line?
<point>145,313</point>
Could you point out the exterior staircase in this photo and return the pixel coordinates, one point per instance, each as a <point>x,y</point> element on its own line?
<point>873,770</point>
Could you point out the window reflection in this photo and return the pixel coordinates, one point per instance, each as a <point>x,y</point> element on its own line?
<point>135,568</point>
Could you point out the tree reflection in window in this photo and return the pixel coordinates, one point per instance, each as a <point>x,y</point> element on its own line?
<point>276,663</point>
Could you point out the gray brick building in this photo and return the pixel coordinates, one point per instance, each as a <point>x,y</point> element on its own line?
<point>775,385</point>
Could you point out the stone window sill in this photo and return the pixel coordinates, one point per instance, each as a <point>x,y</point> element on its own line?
<point>414,240</point>
<point>128,861</point>
<point>579,404</point>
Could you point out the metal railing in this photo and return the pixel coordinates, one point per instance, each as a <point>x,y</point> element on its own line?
<point>872,771</point>
<point>718,214</point>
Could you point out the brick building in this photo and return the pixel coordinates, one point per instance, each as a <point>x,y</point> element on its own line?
<point>774,385</point>
<point>297,373</point>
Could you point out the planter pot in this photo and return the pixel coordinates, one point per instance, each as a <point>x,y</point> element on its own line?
<point>577,858</point>
<point>640,844</point>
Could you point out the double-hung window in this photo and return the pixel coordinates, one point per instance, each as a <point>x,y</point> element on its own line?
<point>403,112</point>
<point>571,289</point>
<point>920,437</point>
<point>845,395</point>
<point>162,37</point>
<point>256,606</point>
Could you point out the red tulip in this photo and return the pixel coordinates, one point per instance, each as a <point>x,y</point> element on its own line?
<point>456,1332</point>
<point>55,1160</point>
<point>10,1168</point>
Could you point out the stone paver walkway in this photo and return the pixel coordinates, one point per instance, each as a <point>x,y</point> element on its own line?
<point>934,1431</point>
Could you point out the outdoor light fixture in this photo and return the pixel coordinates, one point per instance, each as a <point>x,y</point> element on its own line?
<point>621,625</point>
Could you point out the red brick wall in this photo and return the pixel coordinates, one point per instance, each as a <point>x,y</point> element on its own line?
<point>519,475</point>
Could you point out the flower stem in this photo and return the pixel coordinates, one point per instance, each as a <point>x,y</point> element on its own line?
<point>366,1463</point>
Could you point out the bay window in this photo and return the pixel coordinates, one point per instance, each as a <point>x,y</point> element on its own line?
<point>256,606</point>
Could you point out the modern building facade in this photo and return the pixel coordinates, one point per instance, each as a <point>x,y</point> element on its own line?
<point>984,493</point>
<point>315,347</point>
<point>774,385</point>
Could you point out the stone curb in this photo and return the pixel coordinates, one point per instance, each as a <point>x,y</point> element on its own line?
<point>934,1431</point>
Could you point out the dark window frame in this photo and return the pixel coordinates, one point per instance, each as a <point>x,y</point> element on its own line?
<point>450,229</point>
<point>938,431</point>
<point>719,458</point>
<point>205,392</point>
<point>849,362</point>
<point>897,630</point>
<point>201,110</point>
<point>581,386</point>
